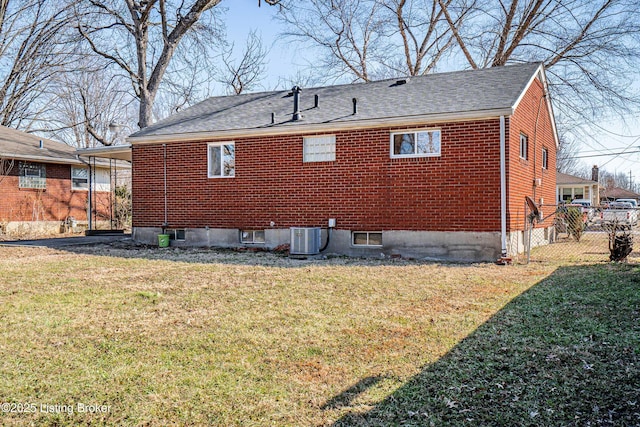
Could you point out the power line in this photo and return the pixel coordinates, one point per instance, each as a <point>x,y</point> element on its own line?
<point>603,155</point>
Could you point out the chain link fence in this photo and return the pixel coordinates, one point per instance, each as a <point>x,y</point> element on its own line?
<point>580,234</point>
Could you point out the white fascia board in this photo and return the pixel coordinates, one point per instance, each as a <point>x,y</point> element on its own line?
<point>40,159</point>
<point>545,87</point>
<point>322,127</point>
<point>119,152</point>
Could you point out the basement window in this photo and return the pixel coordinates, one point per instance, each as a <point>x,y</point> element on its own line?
<point>252,236</point>
<point>222,160</point>
<point>420,143</point>
<point>176,234</point>
<point>366,238</point>
<point>319,148</point>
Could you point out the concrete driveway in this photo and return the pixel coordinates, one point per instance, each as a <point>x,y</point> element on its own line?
<point>61,242</point>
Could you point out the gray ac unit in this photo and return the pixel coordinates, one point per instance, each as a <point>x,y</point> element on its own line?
<point>305,241</point>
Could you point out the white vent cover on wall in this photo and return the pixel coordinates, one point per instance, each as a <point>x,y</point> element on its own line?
<point>305,241</point>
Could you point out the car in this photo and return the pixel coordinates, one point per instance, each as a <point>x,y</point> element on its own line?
<point>619,215</point>
<point>634,202</point>
<point>587,208</point>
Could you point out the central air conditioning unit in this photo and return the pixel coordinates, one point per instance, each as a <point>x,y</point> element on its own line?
<point>305,241</point>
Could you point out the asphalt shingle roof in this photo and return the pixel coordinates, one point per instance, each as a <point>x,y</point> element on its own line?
<point>564,179</point>
<point>433,94</point>
<point>25,146</point>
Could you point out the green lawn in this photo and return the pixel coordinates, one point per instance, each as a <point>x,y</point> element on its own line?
<point>189,337</point>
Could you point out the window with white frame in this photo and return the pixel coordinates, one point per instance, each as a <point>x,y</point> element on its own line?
<point>319,148</point>
<point>252,236</point>
<point>524,146</point>
<point>222,160</point>
<point>366,238</point>
<point>79,178</point>
<point>419,143</point>
<point>32,175</point>
<point>545,158</point>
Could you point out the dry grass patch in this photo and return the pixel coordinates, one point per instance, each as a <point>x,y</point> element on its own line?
<point>221,338</point>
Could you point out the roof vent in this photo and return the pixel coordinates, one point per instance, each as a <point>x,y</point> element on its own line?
<point>316,101</point>
<point>355,105</point>
<point>296,103</point>
<point>41,144</point>
<point>400,82</point>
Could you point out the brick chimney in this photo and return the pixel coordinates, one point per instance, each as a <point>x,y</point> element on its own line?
<point>595,173</point>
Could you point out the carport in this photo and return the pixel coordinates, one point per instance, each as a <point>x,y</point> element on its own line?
<point>119,158</point>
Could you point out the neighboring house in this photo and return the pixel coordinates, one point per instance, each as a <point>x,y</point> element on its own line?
<point>614,193</point>
<point>569,187</point>
<point>432,166</point>
<point>43,184</point>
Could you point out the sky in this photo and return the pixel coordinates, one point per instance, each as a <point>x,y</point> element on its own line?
<point>286,58</point>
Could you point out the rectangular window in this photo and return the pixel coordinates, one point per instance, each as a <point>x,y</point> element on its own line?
<point>424,143</point>
<point>176,234</point>
<point>252,236</point>
<point>222,160</point>
<point>79,178</point>
<point>545,158</point>
<point>32,175</point>
<point>524,146</point>
<point>319,148</point>
<point>567,194</point>
<point>367,238</point>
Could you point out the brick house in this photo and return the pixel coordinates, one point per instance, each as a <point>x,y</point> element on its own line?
<point>571,187</point>
<point>433,166</point>
<point>43,184</point>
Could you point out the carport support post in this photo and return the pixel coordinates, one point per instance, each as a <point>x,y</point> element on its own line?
<point>503,187</point>
<point>90,212</point>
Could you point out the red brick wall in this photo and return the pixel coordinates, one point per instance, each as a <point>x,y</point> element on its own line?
<point>56,203</point>
<point>521,173</point>
<point>363,189</point>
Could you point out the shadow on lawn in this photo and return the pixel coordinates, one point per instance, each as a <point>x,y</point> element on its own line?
<point>565,353</point>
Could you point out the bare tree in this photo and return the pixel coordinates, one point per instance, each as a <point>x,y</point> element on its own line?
<point>350,33</point>
<point>142,37</point>
<point>89,100</point>
<point>244,74</point>
<point>370,39</point>
<point>567,160</point>
<point>6,166</point>
<point>589,48</point>
<point>32,50</point>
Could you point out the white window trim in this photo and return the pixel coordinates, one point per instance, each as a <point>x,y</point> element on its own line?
<point>219,144</point>
<point>414,131</point>
<point>253,237</point>
<point>545,158</point>
<point>524,138</point>
<point>73,186</point>
<point>353,236</point>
